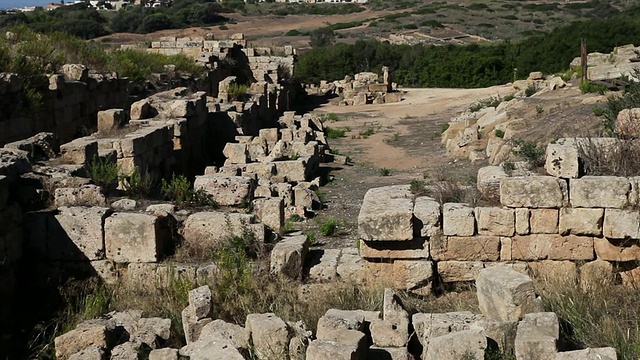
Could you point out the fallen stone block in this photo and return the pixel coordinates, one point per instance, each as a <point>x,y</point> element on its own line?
<point>164,354</point>
<point>536,336</point>
<point>76,234</point>
<point>323,350</point>
<point>426,213</point>
<point>269,335</point>
<point>428,326</point>
<point>562,160</point>
<point>87,333</point>
<point>211,350</point>
<point>13,164</point>
<point>390,353</point>
<point>457,345</point>
<point>608,353</point>
<point>226,190</point>
<point>386,214</point>
<point>270,211</point>
<point>135,237</point>
<point>506,295</point>
<point>81,151</point>
<point>288,256</point>
<point>235,153</point>
<point>109,120</point>
<point>325,264</point>
<point>221,330</point>
<point>200,302</point>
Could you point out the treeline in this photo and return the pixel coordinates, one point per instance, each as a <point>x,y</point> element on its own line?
<point>81,20</point>
<point>470,65</point>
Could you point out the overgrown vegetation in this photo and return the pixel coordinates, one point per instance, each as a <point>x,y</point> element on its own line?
<point>529,151</point>
<point>588,87</point>
<point>104,172</point>
<point>236,91</point>
<point>328,227</point>
<point>492,101</point>
<point>609,156</point>
<point>628,100</point>
<point>333,133</point>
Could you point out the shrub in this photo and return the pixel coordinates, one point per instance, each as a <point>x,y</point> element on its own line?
<point>530,151</point>
<point>598,111</point>
<point>493,101</point>
<point>509,97</point>
<point>499,133</point>
<point>236,91</point>
<point>368,132</point>
<point>333,133</point>
<point>628,100</point>
<point>588,87</point>
<point>417,187</point>
<point>614,157</point>
<point>104,172</point>
<point>178,190</point>
<point>539,109</point>
<point>531,89</point>
<point>384,172</point>
<point>137,184</point>
<point>293,32</point>
<point>328,227</point>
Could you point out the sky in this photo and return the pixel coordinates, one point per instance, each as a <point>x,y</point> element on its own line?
<point>20,3</point>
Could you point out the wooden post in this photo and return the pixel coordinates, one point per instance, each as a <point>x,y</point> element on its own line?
<point>583,59</point>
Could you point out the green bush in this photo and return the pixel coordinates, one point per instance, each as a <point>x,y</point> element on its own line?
<point>598,111</point>
<point>104,172</point>
<point>367,132</point>
<point>236,91</point>
<point>493,101</point>
<point>628,100</point>
<point>333,133</point>
<point>530,151</point>
<point>328,227</point>
<point>499,133</point>
<point>178,189</point>
<point>588,87</point>
<point>293,32</point>
<point>137,184</point>
<point>418,187</point>
<point>384,172</point>
<point>531,89</point>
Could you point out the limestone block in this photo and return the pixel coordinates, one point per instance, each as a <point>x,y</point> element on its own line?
<point>235,153</point>
<point>161,209</point>
<point>621,224</point>
<point>322,350</point>
<point>426,213</point>
<point>75,72</point>
<point>305,197</point>
<point>488,182</point>
<point>270,211</point>
<point>506,295</point>
<point>285,192</point>
<point>288,256</point>
<point>124,205</point>
<point>200,302</point>
<point>495,221</point>
<point>81,151</point>
<point>608,353</point>
<point>533,192</point>
<point>628,122</point>
<point>599,191</point>
<point>457,345</point>
<point>386,214</point>
<point>210,350</point>
<point>429,326</point>
<point>207,229</point>
<point>618,251</point>
<point>41,146</point>
<point>226,190</point>
<point>413,249</point>
<point>579,221</point>
<point>270,135</point>
<point>106,270</point>
<point>503,333</point>
<point>536,336</point>
<point>522,221</point>
<point>76,233</point>
<point>562,160</point>
<point>164,354</point>
<point>325,264</point>
<point>151,331</point>
<point>557,272</point>
<point>414,275</point>
<point>86,195</point>
<point>141,110</point>
<point>378,353</point>
<point>543,221</point>
<point>595,274</point>
<point>87,333</point>
<point>93,352</point>
<point>13,163</point>
<point>458,220</point>
<point>191,326</point>
<point>292,170</point>
<point>221,330</point>
<point>261,170</point>
<point>269,335</point>
<point>335,319</point>
<point>132,237</point>
<point>393,329</point>
<point>456,271</point>
<point>351,267</point>
<point>553,247</point>
<point>476,248</point>
<point>110,119</point>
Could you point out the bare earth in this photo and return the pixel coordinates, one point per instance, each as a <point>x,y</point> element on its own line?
<point>406,141</point>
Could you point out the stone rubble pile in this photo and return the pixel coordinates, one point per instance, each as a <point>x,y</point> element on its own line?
<point>512,322</point>
<point>621,62</point>
<point>364,88</point>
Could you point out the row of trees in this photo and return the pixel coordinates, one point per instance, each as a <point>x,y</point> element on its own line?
<point>469,65</point>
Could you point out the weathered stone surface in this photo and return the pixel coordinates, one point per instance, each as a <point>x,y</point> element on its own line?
<point>86,195</point>
<point>204,230</point>
<point>414,275</point>
<point>151,331</point>
<point>503,333</point>
<point>506,295</point>
<point>110,119</point>
<point>74,72</point>
<point>124,205</point>
<point>390,353</point>
<point>125,351</point>
<point>589,354</point>
<point>552,247</point>
<point>135,237</point>
<point>393,329</point>
<point>325,264</point>
<point>476,248</point>
<point>200,302</point>
<point>488,182</point>
<point>536,336</point>
<point>323,350</point>
<point>533,192</point>
<point>236,153</point>
<point>93,352</point>
<point>455,271</point>
<point>13,163</point>
<point>599,191</point>
<point>414,249</point>
<point>621,224</point>
<point>288,256</point>
<point>457,345</point>
<point>191,326</point>
<point>543,221</point>
<point>80,151</point>
<point>611,250</point>
<point>495,221</point>
<point>86,334</point>
<point>76,233</point>
<point>386,214</point>
<point>219,329</point>
<point>270,211</point>
<point>215,349</point>
<point>164,354</point>
<point>352,267</point>
<point>458,220</point>
<point>522,221</point>
<point>41,146</point>
<point>426,212</point>
<point>562,160</point>
<point>579,221</point>
<point>269,335</point>
<point>4,191</point>
<point>335,319</point>
<point>595,274</point>
<point>106,270</point>
<point>226,190</point>
<point>292,170</point>
<point>555,272</point>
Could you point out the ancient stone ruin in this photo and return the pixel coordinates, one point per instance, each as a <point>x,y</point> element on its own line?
<point>364,88</point>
